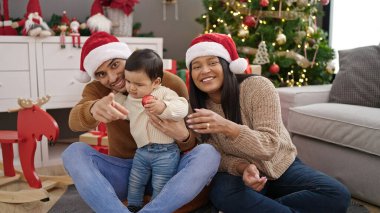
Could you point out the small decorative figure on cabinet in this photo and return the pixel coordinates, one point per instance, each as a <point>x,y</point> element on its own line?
<point>65,22</point>
<point>98,22</point>
<point>74,27</point>
<point>5,22</point>
<point>33,23</point>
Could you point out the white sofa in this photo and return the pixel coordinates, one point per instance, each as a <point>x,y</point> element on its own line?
<point>340,140</point>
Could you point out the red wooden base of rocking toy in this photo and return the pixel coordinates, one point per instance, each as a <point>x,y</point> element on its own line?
<point>32,124</point>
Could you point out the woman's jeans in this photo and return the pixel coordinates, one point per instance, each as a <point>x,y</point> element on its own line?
<point>299,189</point>
<point>156,161</point>
<point>102,180</point>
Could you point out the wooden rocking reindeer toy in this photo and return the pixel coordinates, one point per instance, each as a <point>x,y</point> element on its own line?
<point>32,124</point>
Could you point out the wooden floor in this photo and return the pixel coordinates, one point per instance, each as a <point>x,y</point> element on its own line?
<point>38,206</point>
<point>56,193</point>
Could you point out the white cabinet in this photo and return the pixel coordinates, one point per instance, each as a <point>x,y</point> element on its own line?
<point>35,67</point>
<point>18,71</point>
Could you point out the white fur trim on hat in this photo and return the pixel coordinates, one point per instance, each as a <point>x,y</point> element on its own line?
<point>239,65</point>
<point>82,77</point>
<point>206,49</point>
<point>99,55</point>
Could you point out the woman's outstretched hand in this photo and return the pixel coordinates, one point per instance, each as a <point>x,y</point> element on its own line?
<point>252,179</point>
<point>106,110</point>
<point>173,129</point>
<point>205,121</point>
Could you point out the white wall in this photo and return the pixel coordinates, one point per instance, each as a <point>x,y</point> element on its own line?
<point>354,23</point>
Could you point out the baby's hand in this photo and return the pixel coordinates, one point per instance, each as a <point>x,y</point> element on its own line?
<point>156,107</point>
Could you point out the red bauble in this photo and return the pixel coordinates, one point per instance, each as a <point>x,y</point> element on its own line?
<point>274,68</point>
<point>250,21</point>
<point>264,3</point>
<point>146,98</point>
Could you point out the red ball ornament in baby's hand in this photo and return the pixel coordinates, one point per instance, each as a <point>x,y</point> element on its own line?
<point>274,68</point>
<point>146,99</point>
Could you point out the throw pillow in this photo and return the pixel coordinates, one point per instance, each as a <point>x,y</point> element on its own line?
<point>358,79</point>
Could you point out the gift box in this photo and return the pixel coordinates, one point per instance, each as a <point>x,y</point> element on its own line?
<point>98,138</point>
<point>170,65</point>
<point>94,138</point>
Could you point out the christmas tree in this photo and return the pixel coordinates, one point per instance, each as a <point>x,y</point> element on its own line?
<point>293,50</point>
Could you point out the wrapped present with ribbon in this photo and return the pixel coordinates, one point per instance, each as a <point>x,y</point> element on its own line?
<point>98,139</point>
<point>170,65</point>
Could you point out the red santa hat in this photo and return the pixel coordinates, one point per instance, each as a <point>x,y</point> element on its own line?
<point>97,21</point>
<point>32,7</point>
<point>99,48</point>
<point>65,19</point>
<point>216,44</point>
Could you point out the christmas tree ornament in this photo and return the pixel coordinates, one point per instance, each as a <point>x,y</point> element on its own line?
<point>325,2</point>
<point>298,38</point>
<point>243,32</point>
<point>302,3</point>
<point>170,2</point>
<point>97,21</point>
<point>310,30</point>
<point>281,39</point>
<point>274,68</point>
<point>145,100</point>
<point>290,2</point>
<point>249,21</point>
<point>264,3</point>
<point>311,42</point>
<point>262,56</point>
<point>330,67</point>
<point>6,27</point>
<point>74,32</point>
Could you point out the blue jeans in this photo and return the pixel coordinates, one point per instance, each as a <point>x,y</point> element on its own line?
<point>299,189</point>
<point>159,161</point>
<point>102,180</point>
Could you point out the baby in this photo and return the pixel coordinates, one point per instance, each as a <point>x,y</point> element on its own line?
<point>157,155</point>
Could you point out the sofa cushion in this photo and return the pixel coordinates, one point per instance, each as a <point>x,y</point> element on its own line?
<point>351,126</point>
<point>358,79</point>
<point>300,96</point>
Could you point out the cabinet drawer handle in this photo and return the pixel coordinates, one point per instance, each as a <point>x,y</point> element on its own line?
<point>72,82</point>
<point>1,84</point>
<point>71,56</point>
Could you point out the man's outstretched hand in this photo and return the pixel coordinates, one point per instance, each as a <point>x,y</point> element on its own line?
<point>106,109</point>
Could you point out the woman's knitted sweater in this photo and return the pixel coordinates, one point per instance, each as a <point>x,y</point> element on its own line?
<point>263,139</point>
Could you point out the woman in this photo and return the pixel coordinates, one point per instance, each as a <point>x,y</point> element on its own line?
<point>240,116</point>
<point>102,180</point>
